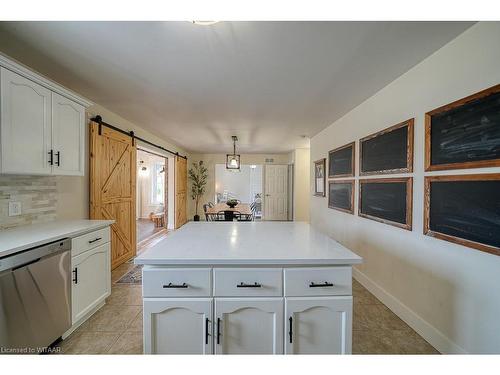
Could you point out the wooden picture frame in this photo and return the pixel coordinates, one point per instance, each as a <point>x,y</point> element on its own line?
<point>409,201</point>
<point>447,107</point>
<point>330,153</point>
<point>333,182</point>
<point>427,207</point>
<point>409,149</point>
<point>320,165</point>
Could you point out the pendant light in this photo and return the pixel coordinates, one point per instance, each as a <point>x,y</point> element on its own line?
<point>233,160</point>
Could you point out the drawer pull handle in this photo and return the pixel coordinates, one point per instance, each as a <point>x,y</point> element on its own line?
<point>322,285</point>
<point>218,331</point>
<point>95,240</point>
<point>254,285</point>
<point>176,286</point>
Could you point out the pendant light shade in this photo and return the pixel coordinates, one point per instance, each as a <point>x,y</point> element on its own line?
<point>233,160</point>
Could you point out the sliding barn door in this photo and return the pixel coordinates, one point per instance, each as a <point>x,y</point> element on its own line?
<point>112,188</point>
<point>180,192</point>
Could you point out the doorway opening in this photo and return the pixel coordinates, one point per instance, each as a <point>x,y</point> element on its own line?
<point>152,196</point>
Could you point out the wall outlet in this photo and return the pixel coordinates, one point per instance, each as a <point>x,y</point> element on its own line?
<point>14,208</point>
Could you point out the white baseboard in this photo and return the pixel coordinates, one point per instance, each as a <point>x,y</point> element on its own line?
<point>437,339</point>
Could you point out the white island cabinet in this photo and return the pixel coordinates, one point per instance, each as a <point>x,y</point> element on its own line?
<point>247,288</point>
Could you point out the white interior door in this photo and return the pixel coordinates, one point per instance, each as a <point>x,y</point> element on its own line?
<point>178,326</point>
<point>248,326</point>
<point>276,192</point>
<point>318,325</point>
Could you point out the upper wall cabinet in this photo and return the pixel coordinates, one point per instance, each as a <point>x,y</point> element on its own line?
<point>42,125</point>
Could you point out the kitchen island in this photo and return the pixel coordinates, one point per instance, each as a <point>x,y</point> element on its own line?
<point>247,288</point>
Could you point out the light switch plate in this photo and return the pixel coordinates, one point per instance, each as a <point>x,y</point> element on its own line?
<point>14,208</point>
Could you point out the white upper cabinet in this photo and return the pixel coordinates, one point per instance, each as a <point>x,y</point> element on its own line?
<point>42,125</point>
<point>26,130</point>
<point>68,136</point>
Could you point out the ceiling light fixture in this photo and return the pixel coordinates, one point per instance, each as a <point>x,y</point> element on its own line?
<point>204,23</point>
<point>233,160</point>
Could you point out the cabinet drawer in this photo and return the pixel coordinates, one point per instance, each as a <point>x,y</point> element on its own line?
<point>176,282</point>
<point>89,241</point>
<point>244,282</point>
<point>321,281</point>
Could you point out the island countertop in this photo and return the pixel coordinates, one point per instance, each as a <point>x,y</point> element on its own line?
<point>247,243</point>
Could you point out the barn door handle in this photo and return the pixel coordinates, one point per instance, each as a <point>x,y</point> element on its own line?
<point>218,331</point>
<point>322,285</point>
<point>290,332</point>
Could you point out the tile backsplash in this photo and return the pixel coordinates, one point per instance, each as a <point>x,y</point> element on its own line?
<point>38,197</point>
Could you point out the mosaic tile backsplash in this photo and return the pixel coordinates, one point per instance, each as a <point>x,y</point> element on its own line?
<point>38,197</point>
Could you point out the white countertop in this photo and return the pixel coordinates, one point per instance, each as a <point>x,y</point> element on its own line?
<point>25,237</point>
<point>245,243</point>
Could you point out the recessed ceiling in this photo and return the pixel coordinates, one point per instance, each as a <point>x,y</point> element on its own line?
<point>269,83</point>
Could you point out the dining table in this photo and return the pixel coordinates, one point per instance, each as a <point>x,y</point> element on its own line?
<point>241,208</point>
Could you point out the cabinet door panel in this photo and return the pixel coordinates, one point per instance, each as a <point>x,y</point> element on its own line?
<point>25,125</point>
<point>68,136</point>
<point>178,326</point>
<point>249,325</point>
<point>93,280</point>
<point>319,325</point>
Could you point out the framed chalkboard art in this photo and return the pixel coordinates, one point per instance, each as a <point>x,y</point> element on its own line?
<point>341,195</point>
<point>387,151</point>
<point>387,200</point>
<point>464,209</point>
<point>465,133</point>
<point>341,161</point>
<point>319,178</point>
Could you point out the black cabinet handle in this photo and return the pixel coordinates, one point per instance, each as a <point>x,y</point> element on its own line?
<point>243,285</point>
<point>206,331</point>
<point>95,240</point>
<point>75,275</point>
<point>322,285</point>
<point>218,331</point>
<point>58,162</point>
<point>51,159</point>
<point>176,286</point>
<point>290,332</point>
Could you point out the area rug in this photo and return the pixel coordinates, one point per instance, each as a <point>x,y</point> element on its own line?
<point>134,276</point>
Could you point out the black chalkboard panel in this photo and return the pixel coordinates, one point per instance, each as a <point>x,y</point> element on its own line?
<point>466,133</point>
<point>387,200</point>
<point>465,209</point>
<point>388,151</point>
<point>341,195</point>
<point>341,161</point>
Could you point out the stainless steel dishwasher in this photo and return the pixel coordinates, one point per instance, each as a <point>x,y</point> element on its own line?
<point>35,297</point>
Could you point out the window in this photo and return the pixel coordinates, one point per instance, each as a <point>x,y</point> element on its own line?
<point>158,184</point>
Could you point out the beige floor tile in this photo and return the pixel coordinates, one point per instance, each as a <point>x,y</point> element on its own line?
<point>127,343</point>
<point>136,325</point>
<point>112,318</point>
<point>126,295</point>
<point>121,270</point>
<point>89,343</point>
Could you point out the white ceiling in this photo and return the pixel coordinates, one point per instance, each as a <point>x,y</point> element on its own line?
<point>269,83</point>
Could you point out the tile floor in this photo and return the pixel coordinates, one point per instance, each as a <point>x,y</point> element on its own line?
<point>117,327</point>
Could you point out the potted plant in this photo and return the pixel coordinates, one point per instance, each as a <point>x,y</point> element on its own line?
<point>198,176</point>
<point>232,203</point>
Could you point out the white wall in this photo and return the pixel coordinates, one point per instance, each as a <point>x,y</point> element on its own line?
<point>242,185</point>
<point>301,188</point>
<point>449,293</point>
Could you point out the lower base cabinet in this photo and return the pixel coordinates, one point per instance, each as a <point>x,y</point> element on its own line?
<point>178,326</point>
<point>318,325</point>
<point>249,325</point>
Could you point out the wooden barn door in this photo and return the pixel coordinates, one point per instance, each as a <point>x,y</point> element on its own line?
<point>112,188</point>
<point>180,192</point>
